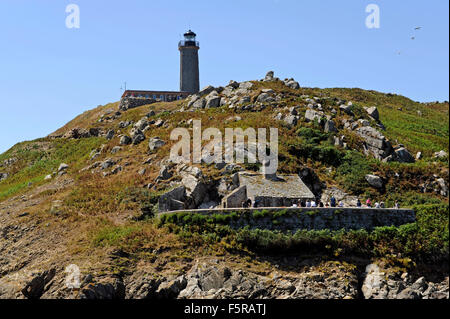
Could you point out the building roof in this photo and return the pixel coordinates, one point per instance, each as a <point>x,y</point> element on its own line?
<point>286,186</point>
<point>155,92</point>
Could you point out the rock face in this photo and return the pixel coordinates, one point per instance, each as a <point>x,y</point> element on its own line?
<point>173,200</point>
<point>38,285</point>
<point>373,112</point>
<point>380,284</point>
<point>375,143</point>
<point>374,181</point>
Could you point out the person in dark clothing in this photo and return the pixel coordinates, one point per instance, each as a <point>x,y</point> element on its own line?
<point>321,204</point>
<point>333,201</point>
<point>358,203</point>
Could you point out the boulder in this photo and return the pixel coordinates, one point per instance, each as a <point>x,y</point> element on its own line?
<point>63,167</point>
<point>155,143</point>
<point>212,101</point>
<point>346,108</point>
<point>195,188</point>
<point>199,104</point>
<point>375,143</point>
<point>292,84</point>
<point>374,181</point>
<point>172,200</point>
<point>404,156</point>
<point>441,154</point>
<point>291,120</point>
<point>3,176</point>
<point>116,149</point>
<point>107,163</point>
<point>373,113</point>
<point>265,98</point>
<point>110,134</point>
<point>311,115</point>
<point>206,90</point>
<point>269,76</point>
<point>164,174</point>
<point>125,140</point>
<point>330,127</point>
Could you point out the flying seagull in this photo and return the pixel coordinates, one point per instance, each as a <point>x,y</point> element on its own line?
<point>417,28</point>
<point>413,38</point>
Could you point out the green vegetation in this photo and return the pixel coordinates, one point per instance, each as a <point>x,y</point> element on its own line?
<point>425,240</point>
<point>37,159</point>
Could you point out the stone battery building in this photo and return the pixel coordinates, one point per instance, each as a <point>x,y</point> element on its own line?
<point>269,190</point>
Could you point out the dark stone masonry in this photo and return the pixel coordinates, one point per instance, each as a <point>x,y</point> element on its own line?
<point>293,219</point>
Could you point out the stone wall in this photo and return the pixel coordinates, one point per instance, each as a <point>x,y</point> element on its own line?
<point>132,102</point>
<point>294,219</point>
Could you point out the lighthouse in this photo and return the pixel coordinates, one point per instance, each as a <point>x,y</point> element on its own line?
<point>189,71</point>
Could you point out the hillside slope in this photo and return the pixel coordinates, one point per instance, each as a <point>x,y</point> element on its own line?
<point>96,211</point>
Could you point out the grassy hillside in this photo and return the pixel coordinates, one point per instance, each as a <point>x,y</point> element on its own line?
<point>95,213</point>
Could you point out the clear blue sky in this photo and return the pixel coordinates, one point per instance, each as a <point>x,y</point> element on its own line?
<point>49,74</point>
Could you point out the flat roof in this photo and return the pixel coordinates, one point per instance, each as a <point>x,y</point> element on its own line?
<point>154,92</point>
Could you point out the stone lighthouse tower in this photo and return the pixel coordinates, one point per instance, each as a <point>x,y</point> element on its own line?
<point>189,72</point>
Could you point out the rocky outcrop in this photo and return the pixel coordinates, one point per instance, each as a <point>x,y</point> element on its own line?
<point>374,142</point>
<point>384,284</point>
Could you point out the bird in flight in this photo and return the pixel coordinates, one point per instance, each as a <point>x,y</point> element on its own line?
<point>417,28</point>
<point>413,38</point>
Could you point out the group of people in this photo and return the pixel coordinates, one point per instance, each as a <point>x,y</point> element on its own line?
<point>332,203</point>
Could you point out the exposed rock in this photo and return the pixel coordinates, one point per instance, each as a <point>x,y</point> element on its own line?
<point>195,188</point>
<point>292,84</point>
<point>291,120</point>
<point>373,112</point>
<point>346,108</point>
<point>63,167</point>
<point>206,90</point>
<point>404,156</point>
<point>374,181</point>
<point>164,173</point>
<point>375,143</point>
<point>330,127</point>
<point>3,176</point>
<point>199,104</point>
<point>441,154</point>
<point>155,143</point>
<point>116,149</point>
<point>173,200</point>
<point>265,98</point>
<point>311,115</point>
<point>171,289</point>
<point>110,134</point>
<point>125,140</point>
<point>39,284</point>
<point>269,76</point>
<point>108,289</point>
<point>107,164</point>
<point>212,100</point>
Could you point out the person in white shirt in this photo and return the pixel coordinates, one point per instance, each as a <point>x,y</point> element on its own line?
<point>313,204</point>
<point>308,203</point>
<point>341,204</point>
<point>377,205</point>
